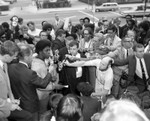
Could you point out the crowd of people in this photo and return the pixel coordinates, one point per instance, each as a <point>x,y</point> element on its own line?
<point>83,72</point>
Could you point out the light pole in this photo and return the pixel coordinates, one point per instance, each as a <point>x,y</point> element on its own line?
<point>88,4</point>
<point>145,4</point>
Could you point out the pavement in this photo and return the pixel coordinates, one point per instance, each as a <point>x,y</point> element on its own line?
<point>76,5</point>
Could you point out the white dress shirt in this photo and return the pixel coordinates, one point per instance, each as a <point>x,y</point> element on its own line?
<point>139,69</point>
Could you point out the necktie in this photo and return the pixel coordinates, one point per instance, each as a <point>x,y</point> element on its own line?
<point>127,52</point>
<point>143,72</point>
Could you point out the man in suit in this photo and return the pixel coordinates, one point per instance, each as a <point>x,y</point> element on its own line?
<point>58,24</point>
<point>121,53</point>
<point>117,23</point>
<point>91,105</point>
<point>59,42</point>
<point>25,81</point>
<point>139,67</point>
<point>9,106</point>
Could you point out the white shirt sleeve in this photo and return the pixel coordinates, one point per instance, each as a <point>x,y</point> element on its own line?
<point>94,62</point>
<point>108,80</point>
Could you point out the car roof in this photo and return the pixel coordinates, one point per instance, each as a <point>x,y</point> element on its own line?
<point>111,3</point>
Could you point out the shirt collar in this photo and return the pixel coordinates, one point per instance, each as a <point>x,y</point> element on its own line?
<point>24,63</point>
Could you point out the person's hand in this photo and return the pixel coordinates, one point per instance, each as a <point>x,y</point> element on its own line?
<point>51,68</point>
<point>66,63</point>
<point>60,65</point>
<point>56,55</point>
<point>15,101</point>
<point>25,36</point>
<point>15,107</point>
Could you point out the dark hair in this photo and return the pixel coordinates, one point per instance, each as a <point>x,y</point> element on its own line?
<point>8,47</point>
<point>30,22</point>
<point>69,108</point>
<point>78,27</point>
<point>112,27</point>
<point>41,32</point>
<point>42,23</point>
<point>54,100</point>
<point>90,26</point>
<point>25,50</point>
<point>90,31</point>
<point>132,22</point>
<point>73,35</point>
<point>59,32</point>
<point>86,18</point>
<point>41,45</point>
<point>73,43</point>
<point>20,20</point>
<point>5,25</point>
<point>47,26</point>
<point>137,45</point>
<point>144,25</point>
<point>129,16</point>
<point>85,88</point>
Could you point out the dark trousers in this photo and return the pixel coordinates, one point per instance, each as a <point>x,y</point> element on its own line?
<point>22,115</point>
<point>141,84</point>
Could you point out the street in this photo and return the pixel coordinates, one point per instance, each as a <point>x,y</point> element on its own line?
<point>24,9</point>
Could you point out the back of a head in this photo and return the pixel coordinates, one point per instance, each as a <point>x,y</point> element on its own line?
<point>25,50</point>
<point>123,110</point>
<point>85,88</point>
<point>54,100</point>
<point>9,47</point>
<point>69,108</point>
<point>59,32</point>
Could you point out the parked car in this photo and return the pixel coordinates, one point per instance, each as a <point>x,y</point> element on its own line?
<point>4,6</point>
<point>107,7</point>
<point>138,11</point>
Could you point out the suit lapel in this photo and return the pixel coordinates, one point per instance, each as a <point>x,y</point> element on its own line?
<point>146,64</point>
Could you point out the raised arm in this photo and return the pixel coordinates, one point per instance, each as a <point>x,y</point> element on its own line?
<point>94,62</point>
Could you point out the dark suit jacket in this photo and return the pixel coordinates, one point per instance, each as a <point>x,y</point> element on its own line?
<point>57,44</point>
<point>62,52</point>
<point>24,82</point>
<point>131,61</point>
<point>91,106</point>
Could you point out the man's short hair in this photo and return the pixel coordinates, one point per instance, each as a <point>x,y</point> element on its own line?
<point>86,18</point>
<point>5,25</point>
<point>69,108</point>
<point>85,88</point>
<point>73,43</point>
<point>25,50</point>
<point>60,32</point>
<point>137,45</point>
<point>30,22</point>
<point>41,45</point>
<point>42,32</point>
<point>54,100</point>
<point>9,47</point>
